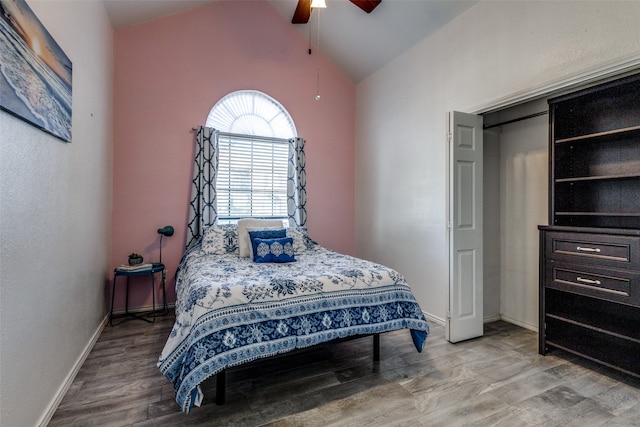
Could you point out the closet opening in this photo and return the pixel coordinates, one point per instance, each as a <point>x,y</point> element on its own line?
<point>515,189</point>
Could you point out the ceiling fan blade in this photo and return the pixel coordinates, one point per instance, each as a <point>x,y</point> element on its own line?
<point>302,13</point>
<point>366,5</point>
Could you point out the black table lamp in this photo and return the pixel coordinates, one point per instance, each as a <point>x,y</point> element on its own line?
<point>167,230</point>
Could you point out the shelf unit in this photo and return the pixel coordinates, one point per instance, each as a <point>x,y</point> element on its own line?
<point>590,252</point>
<point>595,156</point>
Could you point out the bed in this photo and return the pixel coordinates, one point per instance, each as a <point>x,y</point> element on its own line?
<point>233,309</point>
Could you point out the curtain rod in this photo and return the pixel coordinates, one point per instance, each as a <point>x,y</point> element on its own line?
<point>260,138</point>
<point>530,116</point>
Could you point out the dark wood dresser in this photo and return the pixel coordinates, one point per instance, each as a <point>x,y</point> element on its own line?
<point>590,252</point>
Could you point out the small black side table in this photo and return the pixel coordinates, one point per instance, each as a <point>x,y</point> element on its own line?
<point>150,271</point>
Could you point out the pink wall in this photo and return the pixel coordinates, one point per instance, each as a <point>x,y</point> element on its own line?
<point>168,75</point>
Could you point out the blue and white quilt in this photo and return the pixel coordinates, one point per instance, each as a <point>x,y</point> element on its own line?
<point>231,310</point>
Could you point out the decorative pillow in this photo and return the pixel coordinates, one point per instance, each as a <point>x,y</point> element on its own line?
<point>220,239</point>
<point>243,234</point>
<point>301,239</point>
<point>273,250</point>
<point>265,234</point>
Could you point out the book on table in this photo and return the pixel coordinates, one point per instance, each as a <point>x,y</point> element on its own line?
<point>137,267</point>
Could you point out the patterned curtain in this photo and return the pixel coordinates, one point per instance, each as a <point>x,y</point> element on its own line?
<point>297,184</point>
<point>203,202</point>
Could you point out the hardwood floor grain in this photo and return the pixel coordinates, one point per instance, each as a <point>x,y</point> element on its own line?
<point>496,380</point>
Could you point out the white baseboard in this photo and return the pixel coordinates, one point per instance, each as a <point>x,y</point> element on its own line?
<point>53,405</point>
<point>519,323</point>
<point>55,402</point>
<point>434,319</point>
<point>442,322</point>
<point>491,319</point>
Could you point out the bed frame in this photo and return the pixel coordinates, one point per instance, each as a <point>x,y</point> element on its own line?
<point>221,376</point>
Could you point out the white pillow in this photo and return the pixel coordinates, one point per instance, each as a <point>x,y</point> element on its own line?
<point>256,224</point>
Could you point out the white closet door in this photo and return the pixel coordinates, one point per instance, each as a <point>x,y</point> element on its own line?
<point>465,314</point>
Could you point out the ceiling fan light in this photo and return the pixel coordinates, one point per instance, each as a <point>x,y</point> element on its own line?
<point>318,4</point>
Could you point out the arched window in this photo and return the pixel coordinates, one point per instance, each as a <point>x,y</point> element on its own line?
<point>253,155</point>
<point>249,112</point>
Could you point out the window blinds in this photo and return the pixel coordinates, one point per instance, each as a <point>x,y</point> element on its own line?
<point>252,177</point>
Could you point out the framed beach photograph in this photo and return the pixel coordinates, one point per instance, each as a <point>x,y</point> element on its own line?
<point>35,73</point>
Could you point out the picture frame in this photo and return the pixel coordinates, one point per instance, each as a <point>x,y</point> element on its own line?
<point>35,73</point>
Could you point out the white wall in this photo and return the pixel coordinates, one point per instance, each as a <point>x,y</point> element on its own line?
<point>55,215</point>
<point>524,196</point>
<point>493,50</point>
<point>491,229</point>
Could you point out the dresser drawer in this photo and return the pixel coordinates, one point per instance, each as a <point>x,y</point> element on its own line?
<point>611,285</point>
<point>594,249</point>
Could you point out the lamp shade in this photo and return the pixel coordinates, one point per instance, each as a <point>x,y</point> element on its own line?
<point>167,230</point>
<point>315,4</point>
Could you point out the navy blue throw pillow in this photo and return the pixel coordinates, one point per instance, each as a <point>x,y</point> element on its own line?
<point>273,250</point>
<point>267,234</point>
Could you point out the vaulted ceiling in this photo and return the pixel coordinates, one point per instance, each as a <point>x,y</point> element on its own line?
<point>357,42</point>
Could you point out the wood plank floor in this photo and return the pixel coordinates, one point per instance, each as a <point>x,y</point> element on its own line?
<point>497,380</point>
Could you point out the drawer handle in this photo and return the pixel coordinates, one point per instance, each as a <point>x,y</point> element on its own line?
<point>581,249</point>
<point>589,281</point>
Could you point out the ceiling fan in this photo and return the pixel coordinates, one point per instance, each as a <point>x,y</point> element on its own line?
<point>303,9</point>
